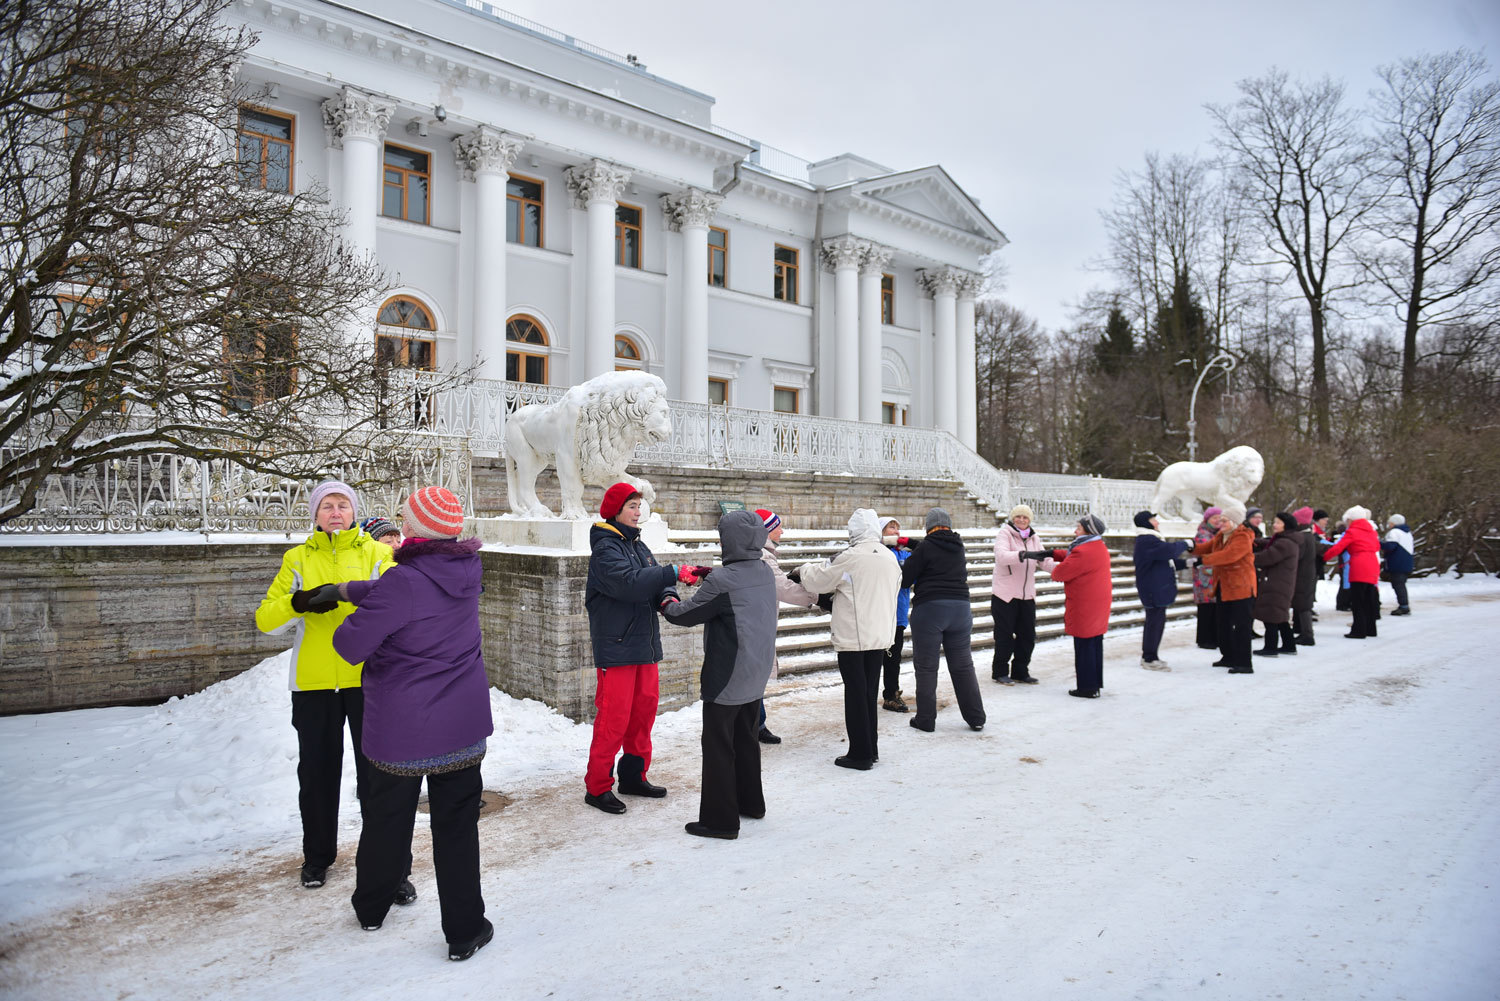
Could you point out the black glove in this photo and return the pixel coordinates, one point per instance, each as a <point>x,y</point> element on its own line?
<point>1034,554</point>
<point>318,600</point>
<point>825,602</point>
<point>794,574</point>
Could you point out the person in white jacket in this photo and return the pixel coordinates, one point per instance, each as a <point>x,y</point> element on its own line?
<point>863,579</point>
<point>1013,598</point>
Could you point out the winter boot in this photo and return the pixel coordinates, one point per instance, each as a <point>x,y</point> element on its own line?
<point>313,876</point>
<point>1084,693</point>
<point>1288,639</point>
<point>766,736</point>
<point>405,893</point>
<point>702,830</point>
<point>633,780</point>
<point>1269,650</point>
<point>894,703</point>
<point>1402,610</point>
<point>460,951</point>
<point>1022,677</point>
<point>606,801</point>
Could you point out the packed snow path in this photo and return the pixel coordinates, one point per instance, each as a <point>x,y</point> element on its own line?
<point>1328,827</point>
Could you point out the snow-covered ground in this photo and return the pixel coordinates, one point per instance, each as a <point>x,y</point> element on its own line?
<point>1328,827</point>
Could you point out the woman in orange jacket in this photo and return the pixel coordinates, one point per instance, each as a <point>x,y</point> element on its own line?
<point>1231,554</point>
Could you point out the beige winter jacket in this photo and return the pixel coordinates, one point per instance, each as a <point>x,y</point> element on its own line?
<point>787,590</point>
<point>864,580</point>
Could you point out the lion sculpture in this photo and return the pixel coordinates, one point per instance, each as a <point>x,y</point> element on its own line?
<point>1232,476</point>
<point>589,435</point>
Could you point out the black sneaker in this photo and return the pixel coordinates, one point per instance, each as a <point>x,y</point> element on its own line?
<point>606,801</point>
<point>1266,653</point>
<point>313,876</point>
<point>1026,679</point>
<point>924,727</point>
<point>405,894</point>
<point>767,737</point>
<point>1242,670</point>
<point>1006,680</point>
<point>704,831</point>
<point>844,761</point>
<point>1084,693</point>
<point>370,927</point>
<point>460,951</point>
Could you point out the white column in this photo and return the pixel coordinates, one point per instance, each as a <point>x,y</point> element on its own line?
<point>690,212</point>
<point>355,123</point>
<point>596,187</point>
<point>842,255</point>
<point>484,156</point>
<point>969,286</point>
<point>943,285</point>
<point>871,267</point>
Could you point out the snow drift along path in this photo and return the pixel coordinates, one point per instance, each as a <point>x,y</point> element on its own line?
<point>1328,827</point>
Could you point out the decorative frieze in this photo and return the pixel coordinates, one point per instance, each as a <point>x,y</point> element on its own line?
<point>485,151</point>
<point>596,181</point>
<point>351,114</point>
<point>690,207</point>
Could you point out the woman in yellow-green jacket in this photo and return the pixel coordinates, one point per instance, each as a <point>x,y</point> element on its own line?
<point>325,687</point>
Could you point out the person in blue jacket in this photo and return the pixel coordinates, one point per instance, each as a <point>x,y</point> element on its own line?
<point>1400,559</point>
<point>1156,562</point>
<point>899,545</point>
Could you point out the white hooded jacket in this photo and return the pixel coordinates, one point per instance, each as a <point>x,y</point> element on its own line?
<point>864,580</point>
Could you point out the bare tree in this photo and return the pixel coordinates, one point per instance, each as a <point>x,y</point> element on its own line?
<point>1301,173</point>
<point>156,297</point>
<point>1010,348</point>
<point>1438,148</point>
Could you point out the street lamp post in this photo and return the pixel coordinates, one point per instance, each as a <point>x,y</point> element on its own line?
<point>1223,360</point>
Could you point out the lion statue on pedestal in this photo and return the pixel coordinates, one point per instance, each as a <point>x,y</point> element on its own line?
<point>589,435</point>
<point>1232,476</point>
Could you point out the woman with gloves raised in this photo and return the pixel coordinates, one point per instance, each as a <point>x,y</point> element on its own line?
<point>1088,591</point>
<point>326,693</point>
<point>626,587</point>
<point>1156,562</point>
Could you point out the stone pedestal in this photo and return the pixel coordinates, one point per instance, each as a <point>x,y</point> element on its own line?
<point>568,536</point>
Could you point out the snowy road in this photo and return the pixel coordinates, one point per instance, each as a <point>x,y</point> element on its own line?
<point>1328,827</point>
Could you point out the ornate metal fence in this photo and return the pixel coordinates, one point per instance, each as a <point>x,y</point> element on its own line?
<point>168,493</point>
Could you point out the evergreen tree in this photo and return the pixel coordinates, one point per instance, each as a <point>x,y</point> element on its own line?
<point>1182,329</point>
<point>1116,346</point>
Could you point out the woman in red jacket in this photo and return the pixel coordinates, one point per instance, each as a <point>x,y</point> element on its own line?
<point>1083,569</point>
<point>1363,546</point>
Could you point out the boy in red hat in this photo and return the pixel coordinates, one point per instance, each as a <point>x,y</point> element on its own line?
<point>626,587</point>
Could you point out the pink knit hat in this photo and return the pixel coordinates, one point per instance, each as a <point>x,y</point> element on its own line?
<point>434,513</point>
<point>1210,512</point>
<point>332,487</point>
<point>1304,515</point>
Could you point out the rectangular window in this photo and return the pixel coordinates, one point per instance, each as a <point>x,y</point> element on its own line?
<point>785,287</point>
<point>265,150</point>
<point>887,413</point>
<point>521,367</point>
<point>627,236</point>
<point>404,352</point>
<point>258,357</point>
<point>718,256</point>
<point>718,392</point>
<point>785,400</point>
<point>888,300</point>
<point>407,180</point>
<point>523,211</point>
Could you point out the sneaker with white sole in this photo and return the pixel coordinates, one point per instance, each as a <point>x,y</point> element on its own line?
<point>1155,665</point>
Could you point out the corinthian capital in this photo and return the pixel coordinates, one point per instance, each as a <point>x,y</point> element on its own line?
<point>939,281</point>
<point>690,208</point>
<point>485,151</point>
<point>595,181</point>
<point>841,252</point>
<point>876,259</point>
<point>970,284</point>
<point>351,114</point>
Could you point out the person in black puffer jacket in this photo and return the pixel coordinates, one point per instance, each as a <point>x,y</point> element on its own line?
<point>942,615</point>
<point>625,588</point>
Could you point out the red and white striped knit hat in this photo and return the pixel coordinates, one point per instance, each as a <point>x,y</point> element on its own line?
<point>434,513</point>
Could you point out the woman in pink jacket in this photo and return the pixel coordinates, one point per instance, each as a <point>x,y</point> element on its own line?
<point>1013,599</point>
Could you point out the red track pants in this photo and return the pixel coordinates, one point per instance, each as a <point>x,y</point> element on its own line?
<point>625,710</point>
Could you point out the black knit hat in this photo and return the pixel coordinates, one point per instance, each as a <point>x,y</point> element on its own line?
<point>1288,521</point>
<point>1143,519</point>
<point>1319,514</point>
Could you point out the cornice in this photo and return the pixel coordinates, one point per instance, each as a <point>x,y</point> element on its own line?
<point>877,209</point>
<point>460,66</point>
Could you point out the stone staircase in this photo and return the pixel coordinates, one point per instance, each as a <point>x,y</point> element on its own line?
<point>803,641</point>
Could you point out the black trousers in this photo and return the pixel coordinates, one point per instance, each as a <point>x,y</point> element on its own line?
<point>1088,662</point>
<point>1234,631</point>
<point>1302,623</point>
<point>1156,625</point>
<point>860,670</point>
<point>1208,625</point>
<point>385,846</point>
<point>1364,602</point>
<point>892,662</point>
<point>731,765</point>
<point>1015,637</point>
<point>319,718</point>
<point>1398,584</point>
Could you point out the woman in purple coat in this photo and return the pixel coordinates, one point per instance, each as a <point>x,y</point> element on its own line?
<point>427,713</point>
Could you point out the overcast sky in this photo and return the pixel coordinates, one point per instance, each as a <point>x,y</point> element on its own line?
<point>1033,108</point>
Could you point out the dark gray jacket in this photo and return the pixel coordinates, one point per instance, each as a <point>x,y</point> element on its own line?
<point>1308,565</point>
<point>737,606</point>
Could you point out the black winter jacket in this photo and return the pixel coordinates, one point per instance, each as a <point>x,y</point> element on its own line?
<point>624,589</point>
<point>1308,565</point>
<point>938,569</point>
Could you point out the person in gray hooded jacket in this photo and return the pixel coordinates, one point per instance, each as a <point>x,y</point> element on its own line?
<point>736,605</point>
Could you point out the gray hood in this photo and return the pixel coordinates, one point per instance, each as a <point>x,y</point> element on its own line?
<point>742,535</point>
<point>864,526</point>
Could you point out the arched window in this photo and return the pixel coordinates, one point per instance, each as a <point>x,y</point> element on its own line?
<point>526,361</point>
<point>403,338</point>
<point>628,355</point>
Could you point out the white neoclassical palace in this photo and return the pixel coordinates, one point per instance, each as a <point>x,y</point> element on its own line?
<point>548,210</point>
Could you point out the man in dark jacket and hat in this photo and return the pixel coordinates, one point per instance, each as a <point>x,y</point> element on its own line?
<point>736,605</point>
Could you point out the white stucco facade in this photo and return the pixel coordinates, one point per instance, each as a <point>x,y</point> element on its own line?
<point>482,99</point>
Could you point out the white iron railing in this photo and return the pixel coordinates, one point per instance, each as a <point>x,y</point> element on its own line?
<point>719,437</point>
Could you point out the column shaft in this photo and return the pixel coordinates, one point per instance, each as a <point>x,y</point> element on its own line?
<point>599,314</point>
<point>489,275</point>
<point>846,340</point>
<point>945,359</point>
<point>694,362</point>
<point>968,407</point>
